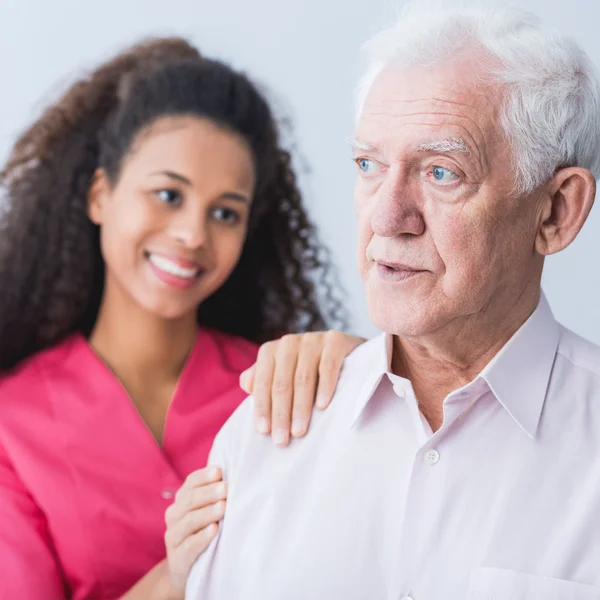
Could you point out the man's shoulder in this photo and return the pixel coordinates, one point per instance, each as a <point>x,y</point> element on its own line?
<point>234,434</point>
<point>239,436</point>
<point>579,352</point>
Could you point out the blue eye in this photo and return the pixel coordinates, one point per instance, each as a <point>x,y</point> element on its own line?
<point>367,165</point>
<point>226,215</point>
<point>443,175</point>
<point>169,196</point>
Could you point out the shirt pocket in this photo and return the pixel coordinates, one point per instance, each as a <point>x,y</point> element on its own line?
<point>501,584</point>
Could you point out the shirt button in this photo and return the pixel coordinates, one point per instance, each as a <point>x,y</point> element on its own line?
<point>432,457</point>
<point>167,494</point>
<point>406,598</point>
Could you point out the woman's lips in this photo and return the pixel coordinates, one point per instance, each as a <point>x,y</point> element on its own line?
<point>176,272</point>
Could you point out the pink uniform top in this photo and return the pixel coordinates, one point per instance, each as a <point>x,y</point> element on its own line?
<point>83,483</point>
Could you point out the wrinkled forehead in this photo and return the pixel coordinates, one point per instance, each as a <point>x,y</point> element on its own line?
<point>412,107</point>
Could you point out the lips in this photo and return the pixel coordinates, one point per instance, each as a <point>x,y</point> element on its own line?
<point>394,272</point>
<point>396,266</point>
<point>176,267</point>
<point>173,271</point>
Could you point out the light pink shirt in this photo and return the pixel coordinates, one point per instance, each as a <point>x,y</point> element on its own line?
<point>502,503</point>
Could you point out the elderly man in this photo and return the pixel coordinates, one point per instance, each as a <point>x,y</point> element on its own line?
<point>461,456</point>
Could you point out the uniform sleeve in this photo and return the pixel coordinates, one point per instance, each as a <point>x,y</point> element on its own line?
<point>28,567</point>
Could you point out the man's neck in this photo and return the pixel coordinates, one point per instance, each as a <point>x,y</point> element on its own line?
<point>447,360</point>
<point>138,346</point>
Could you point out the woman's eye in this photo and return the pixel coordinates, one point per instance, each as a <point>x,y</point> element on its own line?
<point>443,175</point>
<point>367,166</point>
<point>226,215</point>
<point>169,196</point>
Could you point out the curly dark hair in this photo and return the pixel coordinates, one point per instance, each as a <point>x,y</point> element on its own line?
<point>51,268</point>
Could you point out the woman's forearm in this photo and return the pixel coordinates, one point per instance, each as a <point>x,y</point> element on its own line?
<point>155,585</point>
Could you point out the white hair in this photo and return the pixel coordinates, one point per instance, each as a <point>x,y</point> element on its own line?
<point>453,144</point>
<point>551,111</point>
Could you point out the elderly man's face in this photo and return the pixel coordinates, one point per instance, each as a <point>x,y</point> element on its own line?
<point>441,236</point>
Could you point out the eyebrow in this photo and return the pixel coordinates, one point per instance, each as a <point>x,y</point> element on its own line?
<point>235,196</point>
<point>356,144</point>
<point>453,144</point>
<point>175,176</point>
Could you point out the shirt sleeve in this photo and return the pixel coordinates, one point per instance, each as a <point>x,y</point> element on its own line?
<point>197,582</point>
<point>222,454</point>
<point>28,567</point>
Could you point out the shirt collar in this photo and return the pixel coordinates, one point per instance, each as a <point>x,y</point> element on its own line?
<point>381,364</point>
<point>518,375</point>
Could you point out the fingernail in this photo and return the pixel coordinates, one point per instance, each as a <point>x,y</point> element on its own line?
<point>298,427</point>
<point>263,425</point>
<point>280,437</point>
<point>322,401</point>
<point>213,473</point>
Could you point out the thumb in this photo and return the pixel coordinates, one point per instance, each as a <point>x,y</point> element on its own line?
<point>247,380</point>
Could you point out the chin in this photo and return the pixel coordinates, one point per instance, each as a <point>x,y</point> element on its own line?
<point>168,311</point>
<point>401,319</point>
<point>398,324</point>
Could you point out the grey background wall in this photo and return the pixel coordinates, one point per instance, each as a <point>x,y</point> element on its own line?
<point>306,52</point>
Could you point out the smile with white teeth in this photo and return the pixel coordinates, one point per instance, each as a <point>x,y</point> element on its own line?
<point>168,266</point>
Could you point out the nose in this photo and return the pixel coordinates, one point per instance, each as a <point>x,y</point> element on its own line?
<point>190,227</point>
<point>396,209</point>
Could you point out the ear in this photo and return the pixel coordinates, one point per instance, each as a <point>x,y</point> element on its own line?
<point>98,195</point>
<point>568,200</point>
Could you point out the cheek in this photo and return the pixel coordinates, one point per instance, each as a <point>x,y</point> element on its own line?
<point>127,223</point>
<point>364,230</point>
<point>227,245</point>
<point>468,246</point>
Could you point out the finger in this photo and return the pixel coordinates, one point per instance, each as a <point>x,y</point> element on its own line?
<point>247,380</point>
<point>185,555</point>
<point>197,543</point>
<point>188,499</point>
<point>305,381</point>
<point>203,476</point>
<point>263,381</point>
<point>192,522</point>
<point>335,350</point>
<point>282,390</point>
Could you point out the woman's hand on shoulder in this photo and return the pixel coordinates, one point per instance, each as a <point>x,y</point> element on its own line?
<point>291,376</point>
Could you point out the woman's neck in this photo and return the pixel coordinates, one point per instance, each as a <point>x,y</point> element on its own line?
<point>138,346</point>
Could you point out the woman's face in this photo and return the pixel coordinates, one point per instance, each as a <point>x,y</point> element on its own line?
<point>174,225</point>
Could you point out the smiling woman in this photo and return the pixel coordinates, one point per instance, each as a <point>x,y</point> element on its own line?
<point>177,215</point>
<point>154,235</point>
